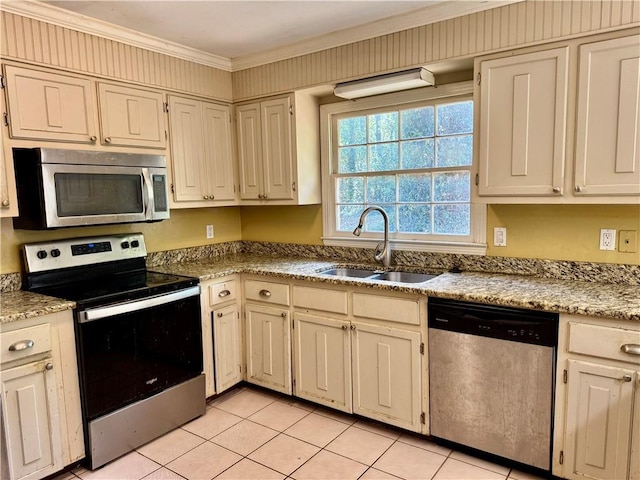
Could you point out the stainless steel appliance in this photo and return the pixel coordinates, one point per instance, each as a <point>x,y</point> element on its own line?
<point>491,379</point>
<point>67,188</point>
<point>138,336</point>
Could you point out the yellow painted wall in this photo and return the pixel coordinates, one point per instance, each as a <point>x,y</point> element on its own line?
<point>561,232</point>
<point>283,224</point>
<point>185,228</point>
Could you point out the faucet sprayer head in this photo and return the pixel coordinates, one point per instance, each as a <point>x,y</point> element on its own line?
<point>358,230</point>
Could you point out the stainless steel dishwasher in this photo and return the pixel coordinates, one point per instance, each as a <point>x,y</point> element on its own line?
<point>491,379</point>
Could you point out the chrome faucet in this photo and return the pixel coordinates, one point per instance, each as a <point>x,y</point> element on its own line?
<point>383,250</point>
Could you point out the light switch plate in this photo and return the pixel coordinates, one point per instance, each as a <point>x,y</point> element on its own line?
<point>499,237</point>
<point>209,231</point>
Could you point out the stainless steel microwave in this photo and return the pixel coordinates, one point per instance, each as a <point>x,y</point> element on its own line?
<point>70,188</point>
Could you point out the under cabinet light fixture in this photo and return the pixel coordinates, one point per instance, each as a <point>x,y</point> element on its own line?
<point>391,82</point>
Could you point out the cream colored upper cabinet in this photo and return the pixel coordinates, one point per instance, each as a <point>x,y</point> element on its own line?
<point>8,194</point>
<point>522,127</point>
<point>279,150</point>
<point>50,106</point>
<point>201,151</point>
<point>131,117</point>
<point>608,118</point>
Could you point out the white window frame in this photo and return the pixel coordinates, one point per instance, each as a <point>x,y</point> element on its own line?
<point>475,243</point>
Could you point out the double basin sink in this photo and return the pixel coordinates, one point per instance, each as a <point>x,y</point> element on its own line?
<point>402,277</point>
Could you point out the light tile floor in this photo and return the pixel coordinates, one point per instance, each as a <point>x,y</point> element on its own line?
<point>248,433</point>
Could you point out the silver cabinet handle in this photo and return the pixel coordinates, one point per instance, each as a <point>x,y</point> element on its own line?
<point>48,366</point>
<point>5,203</point>
<point>265,293</point>
<point>556,189</point>
<point>224,293</point>
<point>93,138</point>
<point>220,314</point>
<point>21,345</point>
<point>631,348</point>
<point>107,139</point>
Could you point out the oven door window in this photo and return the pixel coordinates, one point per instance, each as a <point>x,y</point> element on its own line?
<point>82,194</point>
<point>133,356</point>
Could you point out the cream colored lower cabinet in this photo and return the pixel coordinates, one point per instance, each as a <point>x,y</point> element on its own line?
<point>268,331</point>
<point>41,417</point>
<point>221,334</point>
<point>598,426</point>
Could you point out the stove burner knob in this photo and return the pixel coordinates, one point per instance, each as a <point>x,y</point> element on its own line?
<point>55,253</point>
<point>124,244</point>
<point>135,244</point>
<point>41,254</point>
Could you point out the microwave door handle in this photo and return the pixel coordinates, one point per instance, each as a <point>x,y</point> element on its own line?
<point>148,190</point>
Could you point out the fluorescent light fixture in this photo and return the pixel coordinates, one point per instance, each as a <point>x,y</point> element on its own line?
<point>391,82</point>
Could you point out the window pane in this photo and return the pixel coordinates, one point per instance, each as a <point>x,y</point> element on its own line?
<point>417,154</point>
<point>375,223</point>
<point>350,190</point>
<point>451,219</point>
<point>383,156</point>
<point>347,217</point>
<point>454,151</point>
<point>455,118</point>
<point>451,186</point>
<point>417,122</point>
<point>383,127</point>
<point>414,218</point>
<point>381,189</point>
<point>352,131</point>
<point>414,188</point>
<point>352,159</point>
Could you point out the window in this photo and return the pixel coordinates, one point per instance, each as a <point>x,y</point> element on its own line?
<point>414,159</point>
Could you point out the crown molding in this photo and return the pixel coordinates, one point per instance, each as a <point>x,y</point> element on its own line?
<point>64,18</point>
<point>417,18</point>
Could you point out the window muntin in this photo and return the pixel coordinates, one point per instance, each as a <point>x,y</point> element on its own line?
<point>414,162</point>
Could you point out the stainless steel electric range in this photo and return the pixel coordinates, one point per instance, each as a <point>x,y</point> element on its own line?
<point>138,337</point>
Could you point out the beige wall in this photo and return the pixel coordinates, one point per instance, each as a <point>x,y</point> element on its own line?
<point>185,228</point>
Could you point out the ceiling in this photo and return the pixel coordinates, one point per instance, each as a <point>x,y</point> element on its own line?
<point>241,29</point>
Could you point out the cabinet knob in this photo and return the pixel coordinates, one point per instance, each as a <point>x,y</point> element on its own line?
<point>220,314</point>
<point>556,189</point>
<point>353,327</point>
<point>626,378</point>
<point>631,348</point>
<point>21,345</point>
<point>260,195</point>
<point>107,139</point>
<point>344,327</point>
<point>283,315</point>
<point>264,293</point>
<point>212,197</point>
<point>49,366</point>
<point>224,293</point>
<point>5,203</point>
<point>93,138</point>
<point>579,188</point>
<point>206,197</point>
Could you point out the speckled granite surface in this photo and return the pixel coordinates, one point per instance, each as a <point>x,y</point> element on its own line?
<point>563,296</point>
<point>20,305</point>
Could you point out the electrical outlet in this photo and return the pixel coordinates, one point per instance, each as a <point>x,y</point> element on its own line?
<point>607,239</point>
<point>628,241</point>
<point>209,231</point>
<point>499,237</point>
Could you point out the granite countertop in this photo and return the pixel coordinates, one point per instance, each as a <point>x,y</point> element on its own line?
<point>20,305</point>
<point>564,296</point>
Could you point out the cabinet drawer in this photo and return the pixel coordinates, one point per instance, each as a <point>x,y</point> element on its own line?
<point>267,292</point>
<point>25,342</point>
<point>604,342</point>
<point>401,310</point>
<point>222,292</point>
<point>320,299</point>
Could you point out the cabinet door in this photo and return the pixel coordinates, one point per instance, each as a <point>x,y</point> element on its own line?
<point>249,151</point>
<point>322,358</point>
<point>277,148</point>
<point>227,345</point>
<point>30,416</point>
<point>47,106</point>
<point>269,347</point>
<point>523,104</point>
<point>216,123</point>
<point>187,150</point>
<point>608,122</point>
<point>386,375</point>
<point>599,407</point>
<point>131,117</point>
<point>8,195</point>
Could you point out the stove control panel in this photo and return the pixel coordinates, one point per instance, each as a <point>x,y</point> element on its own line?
<point>73,252</point>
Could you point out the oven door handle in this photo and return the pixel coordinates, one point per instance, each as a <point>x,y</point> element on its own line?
<point>92,314</point>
